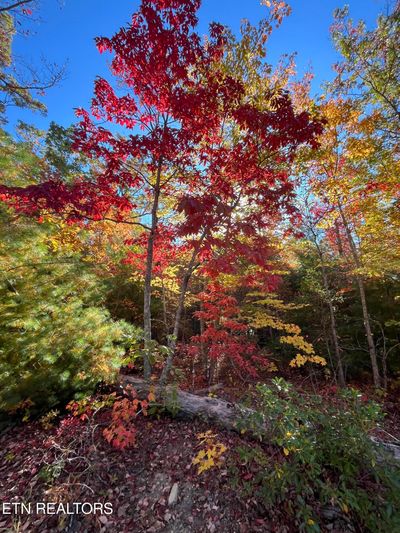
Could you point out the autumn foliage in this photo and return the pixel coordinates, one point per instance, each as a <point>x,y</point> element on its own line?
<point>214,232</point>
<point>211,164</point>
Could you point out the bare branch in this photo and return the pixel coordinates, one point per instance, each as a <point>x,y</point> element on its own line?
<point>16,4</point>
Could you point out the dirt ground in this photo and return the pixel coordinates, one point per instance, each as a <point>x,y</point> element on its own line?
<point>69,465</point>
<point>71,462</point>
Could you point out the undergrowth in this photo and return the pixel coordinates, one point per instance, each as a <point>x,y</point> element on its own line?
<point>324,461</point>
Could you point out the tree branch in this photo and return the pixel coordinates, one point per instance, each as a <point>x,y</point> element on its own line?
<point>13,6</point>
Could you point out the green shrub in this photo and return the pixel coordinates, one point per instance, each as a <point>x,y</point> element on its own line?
<point>326,459</point>
<point>56,339</point>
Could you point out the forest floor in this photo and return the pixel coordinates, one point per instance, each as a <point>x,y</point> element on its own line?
<point>71,462</point>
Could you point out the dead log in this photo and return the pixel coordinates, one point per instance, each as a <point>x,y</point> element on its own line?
<point>222,413</point>
<point>391,449</point>
<point>188,405</point>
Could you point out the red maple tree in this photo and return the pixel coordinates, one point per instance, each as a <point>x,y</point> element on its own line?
<point>183,133</point>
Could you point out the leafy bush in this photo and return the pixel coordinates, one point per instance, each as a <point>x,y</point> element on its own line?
<point>56,341</point>
<point>327,459</point>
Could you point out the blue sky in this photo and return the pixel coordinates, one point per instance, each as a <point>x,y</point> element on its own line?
<point>67,28</point>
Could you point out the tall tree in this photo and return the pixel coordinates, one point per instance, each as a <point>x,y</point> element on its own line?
<point>350,176</point>
<point>187,135</point>
<point>315,236</point>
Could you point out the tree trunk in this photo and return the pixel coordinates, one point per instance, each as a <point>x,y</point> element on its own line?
<point>148,276</point>
<point>164,306</point>
<point>332,317</point>
<point>370,340</point>
<point>179,311</point>
<point>338,239</point>
<point>335,339</point>
<point>203,350</point>
<point>360,283</point>
<point>178,316</point>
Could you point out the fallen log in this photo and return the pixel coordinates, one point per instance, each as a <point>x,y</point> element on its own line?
<point>188,405</point>
<point>392,449</point>
<point>220,412</point>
